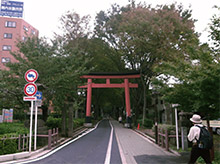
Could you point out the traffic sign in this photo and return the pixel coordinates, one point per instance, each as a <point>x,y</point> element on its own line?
<point>30,89</point>
<point>31,75</point>
<point>39,95</point>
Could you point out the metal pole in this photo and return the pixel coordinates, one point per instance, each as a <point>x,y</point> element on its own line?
<point>31,122</point>
<point>35,128</point>
<point>177,136</point>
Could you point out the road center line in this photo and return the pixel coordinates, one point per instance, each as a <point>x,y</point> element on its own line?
<point>109,150</point>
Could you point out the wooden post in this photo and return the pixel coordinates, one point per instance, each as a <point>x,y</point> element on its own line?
<point>162,138</point>
<point>19,142</point>
<point>23,142</point>
<point>156,133</point>
<point>49,139</point>
<point>158,137</point>
<point>57,135</point>
<point>166,140</point>
<point>27,142</point>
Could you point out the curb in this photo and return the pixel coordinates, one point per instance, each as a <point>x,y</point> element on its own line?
<point>153,140</point>
<point>42,151</point>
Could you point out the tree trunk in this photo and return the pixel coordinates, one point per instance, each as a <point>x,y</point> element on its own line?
<point>144,97</point>
<point>70,120</point>
<point>63,128</point>
<point>45,112</point>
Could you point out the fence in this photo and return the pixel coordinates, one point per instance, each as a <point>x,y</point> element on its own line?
<point>164,137</point>
<point>23,140</point>
<point>52,137</point>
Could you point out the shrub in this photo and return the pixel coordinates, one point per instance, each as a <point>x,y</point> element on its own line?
<point>17,128</point>
<point>8,146</point>
<point>171,128</point>
<point>78,122</point>
<point>148,123</point>
<point>53,122</point>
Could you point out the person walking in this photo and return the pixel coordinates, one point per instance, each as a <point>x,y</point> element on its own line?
<point>194,137</point>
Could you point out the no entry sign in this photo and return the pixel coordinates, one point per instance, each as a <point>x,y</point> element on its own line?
<point>31,75</point>
<point>30,89</point>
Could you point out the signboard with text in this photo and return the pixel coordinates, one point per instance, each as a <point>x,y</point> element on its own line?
<point>11,8</point>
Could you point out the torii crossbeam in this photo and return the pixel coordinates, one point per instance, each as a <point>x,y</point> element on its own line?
<point>108,84</point>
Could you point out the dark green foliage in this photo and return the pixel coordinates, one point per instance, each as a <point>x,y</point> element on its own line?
<point>8,146</point>
<point>170,128</point>
<point>53,122</point>
<point>78,122</point>
<point>15,128</point>
<point>148,123</point>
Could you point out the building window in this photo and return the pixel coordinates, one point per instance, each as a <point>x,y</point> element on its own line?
<point>25,28</point>
<point>33,32</point>
<point>6,60</point>
<point>24,38</point>
<point>8,35</point>
<point>6,48</point>
<point>10,24</point>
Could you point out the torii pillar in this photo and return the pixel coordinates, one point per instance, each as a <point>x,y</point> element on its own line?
<point>108,84</point>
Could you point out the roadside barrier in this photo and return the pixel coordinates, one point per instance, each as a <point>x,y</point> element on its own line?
<point>53,136</point>
<point>164,137</point>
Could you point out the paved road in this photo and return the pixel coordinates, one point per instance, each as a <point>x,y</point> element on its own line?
<point>90,149</point>
<point>111,143</point>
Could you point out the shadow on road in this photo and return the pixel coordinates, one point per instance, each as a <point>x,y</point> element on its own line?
<point>183,159</point>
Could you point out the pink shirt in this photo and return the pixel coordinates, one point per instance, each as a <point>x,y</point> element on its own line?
<point>194,133</point>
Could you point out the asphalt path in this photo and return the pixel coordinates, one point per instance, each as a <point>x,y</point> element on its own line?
<point>97,147</point>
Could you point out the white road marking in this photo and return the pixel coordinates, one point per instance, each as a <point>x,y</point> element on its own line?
<point>55,150</point>
<point>109,150</point>
<point>123,159</point>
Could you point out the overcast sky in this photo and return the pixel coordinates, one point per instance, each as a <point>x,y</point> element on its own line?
<point>44,14</point>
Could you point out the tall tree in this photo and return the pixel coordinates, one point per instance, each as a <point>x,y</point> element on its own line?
<point>146,37</point>
<point>197,87</point>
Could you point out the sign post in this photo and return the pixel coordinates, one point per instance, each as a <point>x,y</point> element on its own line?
<point>39,97</point>
<point>30,90</point>
<point>177,131</point>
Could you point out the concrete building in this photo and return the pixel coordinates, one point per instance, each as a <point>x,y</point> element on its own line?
<point>12,30</point>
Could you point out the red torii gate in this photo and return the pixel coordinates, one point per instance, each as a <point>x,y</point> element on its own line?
<point>108,84</point>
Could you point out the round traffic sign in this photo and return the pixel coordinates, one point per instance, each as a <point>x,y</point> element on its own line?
<point>30,89</point>
<point>31,75</point>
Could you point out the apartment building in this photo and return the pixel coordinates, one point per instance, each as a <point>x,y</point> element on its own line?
<point>12,30</point>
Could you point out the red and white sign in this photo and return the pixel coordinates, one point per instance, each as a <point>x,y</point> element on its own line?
<point>31,75</point>
<point>29,98</point>
<point>30,89</point>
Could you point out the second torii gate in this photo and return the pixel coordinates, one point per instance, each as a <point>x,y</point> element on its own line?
<point>108,84</point>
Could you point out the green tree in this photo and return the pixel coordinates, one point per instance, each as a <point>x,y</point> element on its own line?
<point>197,88</point>
<point>145,38</point>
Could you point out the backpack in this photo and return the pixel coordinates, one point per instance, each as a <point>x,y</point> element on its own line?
<point>205,140</point>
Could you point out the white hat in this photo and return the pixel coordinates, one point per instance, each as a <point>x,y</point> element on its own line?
<point>196,119</point>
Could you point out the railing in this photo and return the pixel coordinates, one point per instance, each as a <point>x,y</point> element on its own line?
<point>23,140</point>
<point>52,137</point>
<point>163,138</point>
